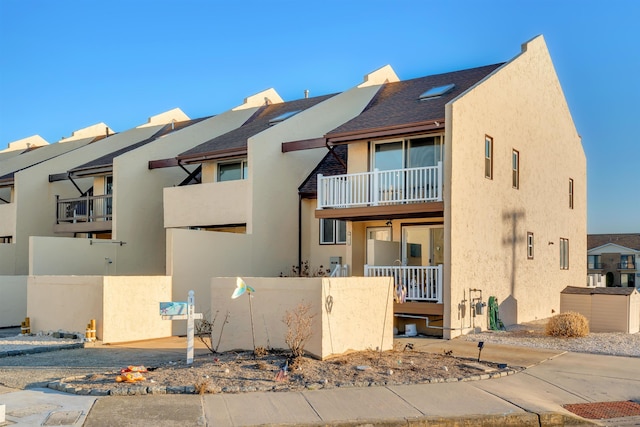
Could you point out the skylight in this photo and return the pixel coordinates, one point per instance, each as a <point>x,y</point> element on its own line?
<point>282,117</point>
<point>437,91</point>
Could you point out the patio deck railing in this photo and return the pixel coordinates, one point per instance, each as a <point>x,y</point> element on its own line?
<point>84,209</point>
<point>411,185</point>
<point>413,283</point>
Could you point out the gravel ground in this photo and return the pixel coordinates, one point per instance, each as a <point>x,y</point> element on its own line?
<point>532,335</point>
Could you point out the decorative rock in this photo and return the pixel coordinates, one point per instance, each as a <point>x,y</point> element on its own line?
<point>157,389</point>
<point>190,389</point>
<point>99,392</point>
<point>175,390</point>
<point>390,372</point>
<point>363,367</point>
<point>445,369</point>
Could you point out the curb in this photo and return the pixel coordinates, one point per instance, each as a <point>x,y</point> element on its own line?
<point>41,349</point>
<point>135,389</point>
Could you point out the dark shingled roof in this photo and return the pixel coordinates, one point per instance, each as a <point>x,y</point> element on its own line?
<point>576,290</point>
<point>328,166</point>
<point>398,103</point>
<point>630,240</point>
<point>107,159</point>
<point>237,138</point>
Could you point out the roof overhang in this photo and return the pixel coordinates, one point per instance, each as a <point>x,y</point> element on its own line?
<point>373,133</point>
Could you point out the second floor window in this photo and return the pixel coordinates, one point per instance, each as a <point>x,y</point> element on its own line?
<point>488,157</point>
<point>515,166</point>
<point>627,262</point>
<point>408,153</point>
<point>570,193</point>
<point>594,262</point>
<point>232,171</point>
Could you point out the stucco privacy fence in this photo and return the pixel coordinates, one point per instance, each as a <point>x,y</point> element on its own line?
<point>13,300</point>
<point>606,309</point>
<point>126,308</point>
<point>349,313</point>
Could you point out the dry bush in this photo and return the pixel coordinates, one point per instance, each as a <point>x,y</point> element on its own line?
<point>299,331</point>
<point>203,330</point>
<point>260,352</point>
<point>202,386</point>
<point>568,325</point>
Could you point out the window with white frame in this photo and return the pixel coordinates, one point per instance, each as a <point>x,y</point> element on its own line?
<point>408,153</point>
<point>333,232</point>
<point>564,254</point>
<point>488,157</point>
<point>529,245</point>
<point>232,171</point>
<point>570,193</point>
<point>515,166</point>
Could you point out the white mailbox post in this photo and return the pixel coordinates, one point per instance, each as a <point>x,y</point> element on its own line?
<point>183,311</point>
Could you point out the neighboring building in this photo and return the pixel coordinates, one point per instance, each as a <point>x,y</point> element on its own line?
<point>462,185</point>
<point>612,260</point>
<point>240,217</point>
<point>113,225</point>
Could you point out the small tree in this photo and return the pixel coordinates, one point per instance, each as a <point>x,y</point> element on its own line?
<point>299,330</point>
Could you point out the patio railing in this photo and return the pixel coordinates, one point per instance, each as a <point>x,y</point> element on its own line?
<point>414,283</point>
<point>411,185</point>
<point>84,209</point>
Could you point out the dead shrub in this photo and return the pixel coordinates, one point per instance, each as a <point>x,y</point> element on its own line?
<point>568,325</point>
<point>299,331</point>
<point>202,386</point>
<point>204,328</point>
<point>260,352</point>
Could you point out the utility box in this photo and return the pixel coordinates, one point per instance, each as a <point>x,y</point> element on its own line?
<point>607,309</point>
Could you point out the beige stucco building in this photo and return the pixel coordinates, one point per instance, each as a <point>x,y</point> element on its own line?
<point>464,186</point>
<point>467,187</point>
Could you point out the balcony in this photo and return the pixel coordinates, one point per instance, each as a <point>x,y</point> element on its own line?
<point>216,203</point>
<point>84,214</point>
<point>627,266</point>
<point>399,192</point>
<point>413,283</point>
<point>595,265</point>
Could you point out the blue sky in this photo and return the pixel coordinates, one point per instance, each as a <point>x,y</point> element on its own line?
<point>70,64</point>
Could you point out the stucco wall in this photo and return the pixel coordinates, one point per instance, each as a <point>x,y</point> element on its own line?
<point>312,250</point>
<point>65,303</point>
<point>13,303</point>
<point>275,176</point>
<point>521,105</point>
<point>131,308</point>
<point>7,219</point>
<point>70,256</point>
<point>35,196</point>
<point>215,203</point>
<point>125,308</point>
<point>359,315</point>
<point>7,258</point>
<point>194,257</point>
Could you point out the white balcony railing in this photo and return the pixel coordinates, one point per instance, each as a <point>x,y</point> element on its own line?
<point>413,283</point>
<point>412,185</point>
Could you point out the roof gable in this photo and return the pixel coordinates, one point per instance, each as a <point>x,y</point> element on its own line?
<point>627,240</point>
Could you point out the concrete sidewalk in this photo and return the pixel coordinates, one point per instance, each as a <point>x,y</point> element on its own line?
<point>533,397</point>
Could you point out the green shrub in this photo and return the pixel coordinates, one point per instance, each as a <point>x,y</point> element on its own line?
<point>568,325</point>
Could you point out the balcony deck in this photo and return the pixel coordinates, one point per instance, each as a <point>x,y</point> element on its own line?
<point>410,192</point>
<point>87,214</point>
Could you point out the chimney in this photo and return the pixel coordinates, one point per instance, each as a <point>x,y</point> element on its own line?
<point>306,93</point>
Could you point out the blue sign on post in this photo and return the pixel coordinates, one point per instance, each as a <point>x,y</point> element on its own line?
<point>173,308</point>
